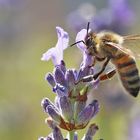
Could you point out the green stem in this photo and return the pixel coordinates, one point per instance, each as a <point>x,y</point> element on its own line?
<point>71,135</point>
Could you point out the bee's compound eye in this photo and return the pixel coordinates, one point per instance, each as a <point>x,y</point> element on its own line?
<point>89,42</point>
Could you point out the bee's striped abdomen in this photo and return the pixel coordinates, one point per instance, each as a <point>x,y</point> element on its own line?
<point>128,72</point>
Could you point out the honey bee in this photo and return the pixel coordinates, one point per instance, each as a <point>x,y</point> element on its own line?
<point>108,46</point>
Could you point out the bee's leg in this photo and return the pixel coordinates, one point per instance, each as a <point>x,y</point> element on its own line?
<point>91,77</point>
<point>108,75</point>
<point>101,77</point>
<point>103,68</point>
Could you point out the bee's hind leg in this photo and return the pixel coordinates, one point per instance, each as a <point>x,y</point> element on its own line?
<point>102,77</point>
<point>91,77</point>
<point>107,75</point>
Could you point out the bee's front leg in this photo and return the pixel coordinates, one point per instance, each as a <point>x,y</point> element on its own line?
<point>103,68</point>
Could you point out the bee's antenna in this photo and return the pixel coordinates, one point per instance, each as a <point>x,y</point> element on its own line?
<point>77,43</point>
<point>81,40</point>
<point>88,27</point>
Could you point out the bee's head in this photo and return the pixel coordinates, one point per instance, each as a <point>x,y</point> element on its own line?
<point>89,41</point>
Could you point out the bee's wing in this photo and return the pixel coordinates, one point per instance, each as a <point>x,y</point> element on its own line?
<point>118,46</point>
<point>130,46</point>
<point>123,49</point>
<point>132,42</point>
<point>131,37</point>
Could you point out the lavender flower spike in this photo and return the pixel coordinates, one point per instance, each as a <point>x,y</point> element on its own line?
<point>56,53</point>
<point>69,112</point>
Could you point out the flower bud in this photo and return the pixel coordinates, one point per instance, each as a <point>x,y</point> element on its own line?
<point>53,113</point>
<point>57,135</point>
<point>75,136</point>
<point>88,112</point>
<point>91,132</point>
<point>70,78</point>
<point>66,107</point>
<point>45,102</point>
<point>49,77</point>
<point>59,76</point>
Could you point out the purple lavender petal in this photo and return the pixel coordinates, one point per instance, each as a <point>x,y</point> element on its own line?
<point>75,72</point>
<point>53,113</point>
<point>57,135</point>
<point>56,53</point>
<point>66,107</point>
<point>87,113</point>
<point>50,54</point>
<point>96,108</point>
<point>45,102</point>
<point>60,90</point>
<point>70,78</point>
<point>75,136</point>
<point>56,102</point>
<point>91,132</point>
<point>79,106</point>
<point>87,59</point>
<point>83,72</point>
<point>64,38</point>
<point>81,36</point>
<point>50,78</point>
<point>59,76</point>
<point>62,66</point>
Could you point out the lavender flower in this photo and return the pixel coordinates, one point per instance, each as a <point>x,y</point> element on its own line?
<point>56,53</point>
<point>70,110</point>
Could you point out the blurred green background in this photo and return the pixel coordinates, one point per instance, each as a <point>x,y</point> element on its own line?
<point>27,29</point>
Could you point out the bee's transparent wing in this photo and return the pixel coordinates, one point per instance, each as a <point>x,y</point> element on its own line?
<point>131,37</point>
<point>132,42</point>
